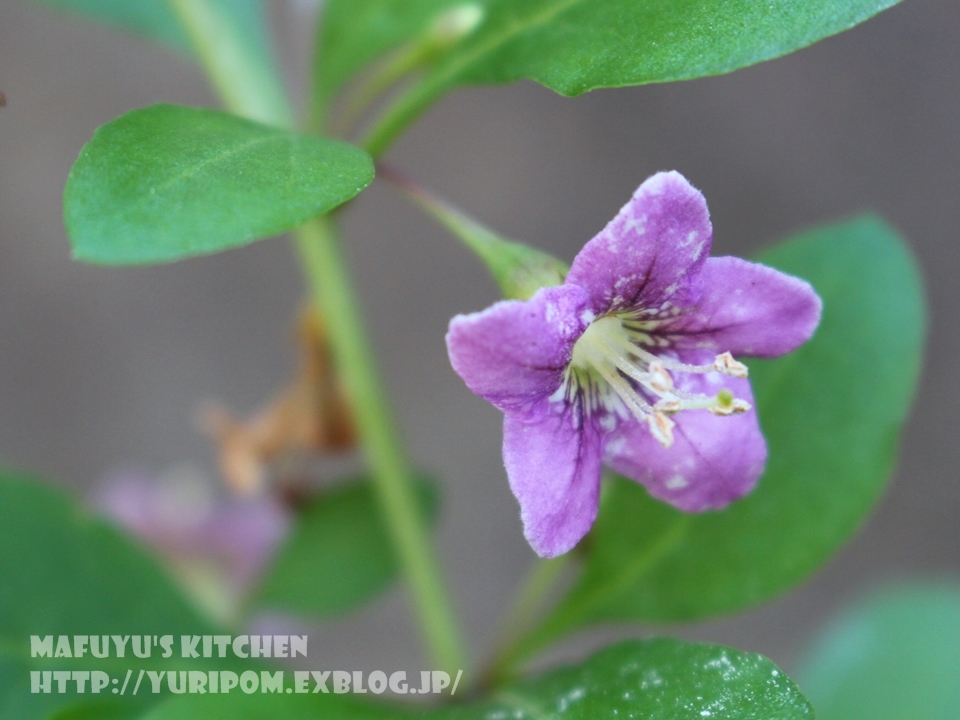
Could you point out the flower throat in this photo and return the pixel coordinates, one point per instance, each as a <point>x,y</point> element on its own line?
<point>610,362</point>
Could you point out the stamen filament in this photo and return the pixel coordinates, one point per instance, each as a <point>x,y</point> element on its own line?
<point>619,384</point>
<point>610,357</point>
<point>644,378</point>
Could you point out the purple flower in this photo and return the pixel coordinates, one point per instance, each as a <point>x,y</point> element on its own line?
<point>630,363</point>
<point>217,546</point>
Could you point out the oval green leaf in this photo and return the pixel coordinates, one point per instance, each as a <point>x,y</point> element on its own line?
<point>894,655</point>
<point>338,555</point>
<point>167,183</point>
<point>662,679</point>
<point>573,46</point>
<point>831,412</point>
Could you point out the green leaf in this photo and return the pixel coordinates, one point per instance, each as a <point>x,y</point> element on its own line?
<point>167,182</point>
<point>64,572</point>
<point>573,46</point>
<point>831,413</point>
<point>661,679</point>
<point>894,655</point>
<point>654,680</point>
<point>338,555</point>
<point>110,709</point>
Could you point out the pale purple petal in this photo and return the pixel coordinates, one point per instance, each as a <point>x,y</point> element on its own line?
<point>747,309</point>
<point>651,252</point>
<point>514,352</point>
<point>185,519</point>
<point>713,460</point>
<point>245,533</point>
<point>167,513</point>
<point>553,463</point>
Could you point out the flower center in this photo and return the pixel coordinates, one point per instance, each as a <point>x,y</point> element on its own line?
<point>610,362</point>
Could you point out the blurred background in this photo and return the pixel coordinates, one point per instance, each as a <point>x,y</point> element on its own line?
<point>102,369</point>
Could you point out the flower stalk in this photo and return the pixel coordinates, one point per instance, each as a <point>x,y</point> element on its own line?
<point>519,270</point>
<point>542,579</point>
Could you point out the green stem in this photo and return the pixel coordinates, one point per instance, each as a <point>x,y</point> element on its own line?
<point>489,246</point>
<point>577,608</point>
<point>331,291</point>
<point>220,46</point>
<point>398,116</point>
<point>385,75</point>
<point>446,30</point>
<point>540,581</point>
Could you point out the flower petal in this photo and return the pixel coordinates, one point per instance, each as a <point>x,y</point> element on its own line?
<point>747,309</point>
<point>713,460</point>
<point>514,352</point>
<point>651,252</point>
<point>553,463</point>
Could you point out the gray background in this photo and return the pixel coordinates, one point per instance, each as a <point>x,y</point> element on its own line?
<point>102,368</point>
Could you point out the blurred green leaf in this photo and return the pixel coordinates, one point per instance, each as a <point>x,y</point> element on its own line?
<point>892,656</point>
<point>654,680</point>
<point>231,44</point>
<point>831,412</point>
<point>64,572</point>
<point>110,709</point>
<point>156,20</point>
<point>150,18</point>
<point>245,49</point>
<point>338,555</point>
<point>168,182</point>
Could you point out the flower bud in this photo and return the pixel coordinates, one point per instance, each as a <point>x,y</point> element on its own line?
<point>456,23</point>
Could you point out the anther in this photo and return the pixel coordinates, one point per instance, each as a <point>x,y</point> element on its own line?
<point>609,360</point>
<point>661,427</point>
<point>660,380</point>
<point>669,406</point>
<point>728,366</point>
